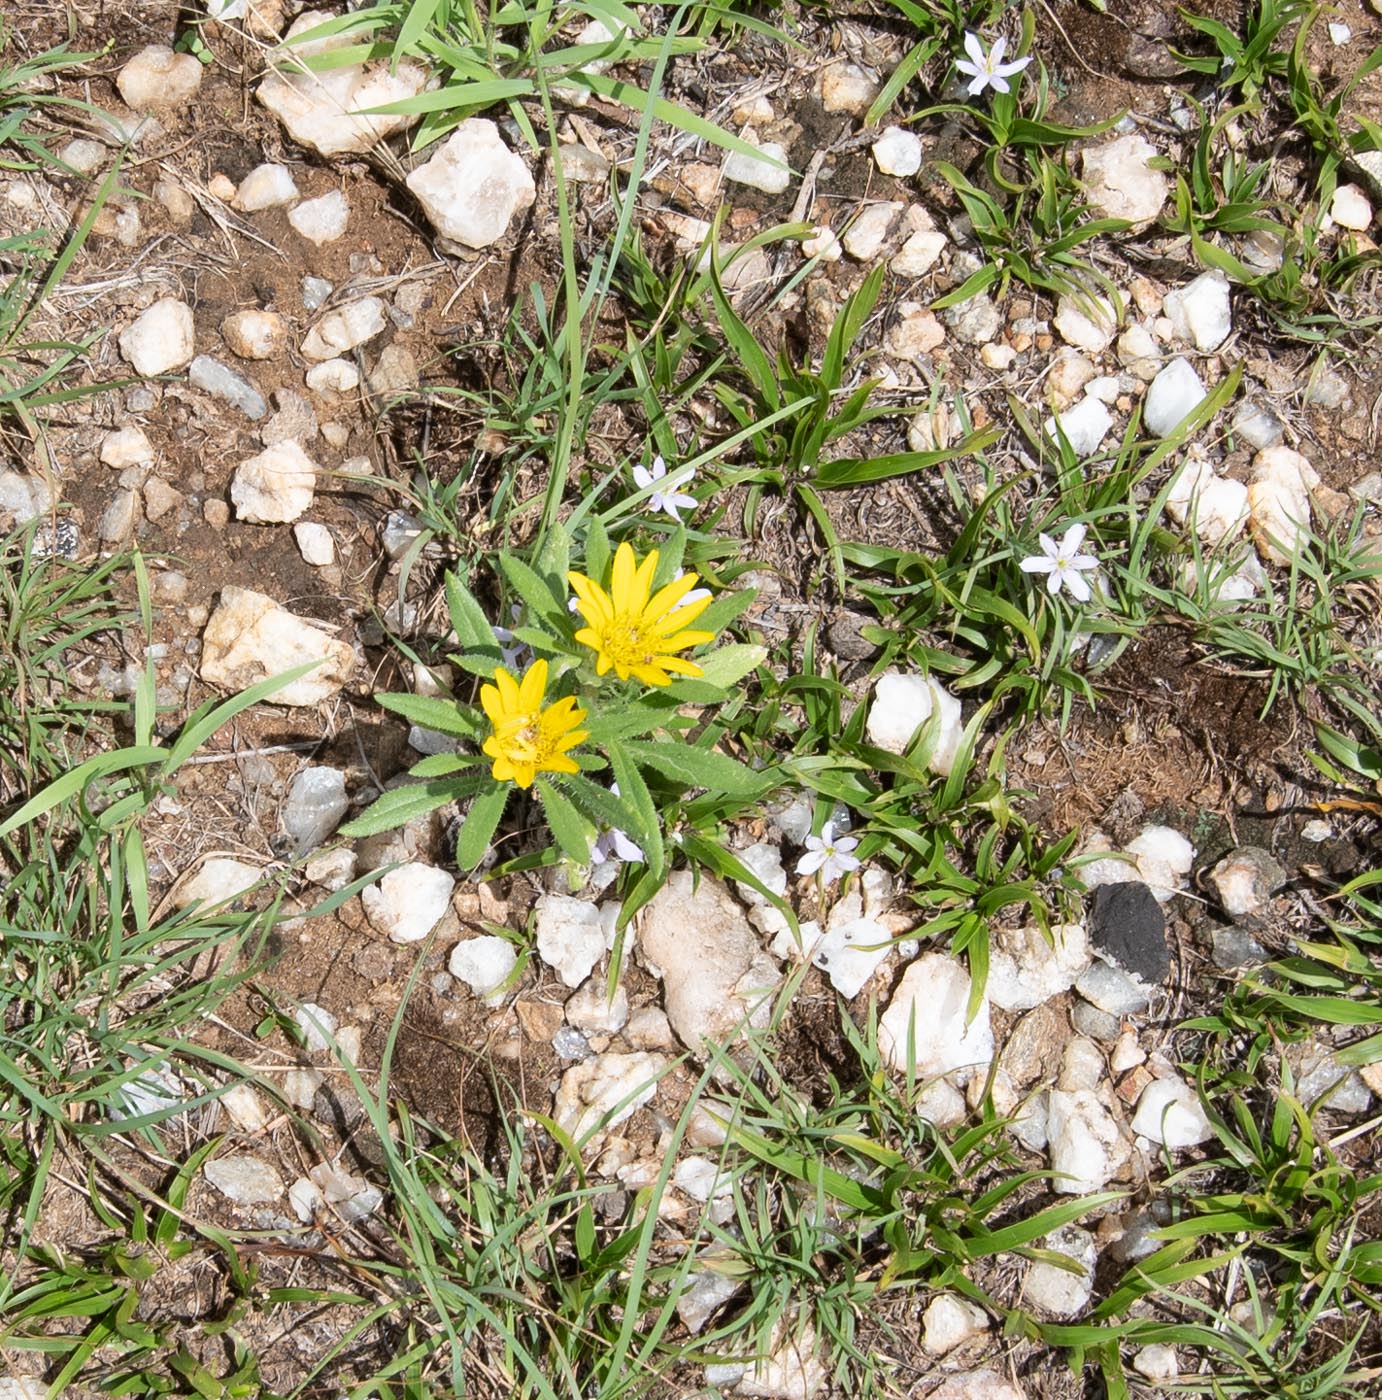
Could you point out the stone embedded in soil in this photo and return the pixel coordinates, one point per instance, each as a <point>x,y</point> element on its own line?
<point>897,152</point>
<point>975,321</point>
<point>350,1197</point>
<point>1113,993</point>
<point>764,861</point>
<point>394,376</point>
<point>1169,1113</point>
<point>869,229</point>
<point>22,498</point>
<point>902,704</point>
<point>484,964</point>
<point>1164,858</point>
<point>251,637</point>
<point>705,1293</point>
<point>266,187</point>
<point>332,377</point>
<point>1322,1082</point>
<point>1086,1147</point>
<point>318,1026</point>
<point>1350,209</point>
<point>591,1010</point>
<point>791,1370</point>
<point>221,382</point>
<point>321,220</point>
<point>1057,1291</point>
<point>408,903</point>
<point>160,339</point>
<point>571,936</point>
<point>245,1107</point>
<point>326,109</point>
<point>919,253</point>
<point>1279,502</point>
<point>276,486</point>
<point>255,335</point>
<point>1121,182</point>
<point>341,331</point>
<point>315,543</point>
<point>1157,1363</point>
<point>925,1028</point>
<point>220,879</point>
<point>126,447</point>
<point>612,1084</point>
<point>1175,392</point>
<point>85,157</point>
<point>315,805</point>
<point>714,975</point>
<point>1233,948</point>
<point>983,1384</point>
<point>1246,879</point>
<point>156,78</point>
<point>1085,426</point>
<point>950,1321</point>
<point>1025,970</point>
<point>245,1180</point>
<point>822,244</point>
<point>1217,506</point>
<point>1088,322</point>
<point>1200,311</point>
<point>1139,353</point>
<point>846,87</point>
<point>1128,928</point>
<point>915,335</point>
<point>769,171</point>
<point>853,949</point>
<point>472,188</point>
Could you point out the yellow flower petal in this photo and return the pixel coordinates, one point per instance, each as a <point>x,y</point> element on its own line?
<point>527,739</point>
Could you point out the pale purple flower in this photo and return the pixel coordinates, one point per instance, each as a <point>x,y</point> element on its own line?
<point>614,844</point>
<point>514,654</point>
<point>828,855</point>
<point>1063,563</point>
<point>988,69</point>
<point>695,595</point>
<point>671,501</point>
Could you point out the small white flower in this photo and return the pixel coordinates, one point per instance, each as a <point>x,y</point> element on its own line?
<point>1063,563</point>
<point>671,501</point>
<point>828,855</point>
<point>614,844</point>
<point>988,69</point>
<point>514,654</point>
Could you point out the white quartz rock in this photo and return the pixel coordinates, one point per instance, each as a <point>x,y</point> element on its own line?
<point>474,185</point>
<point>266,187</point>
<point>1121,182</point>
<point>1089,323</point>
<point>1085,426</point>
<point>902,703</point>
<point>1057,1291</point>
<point>1164,859</point>
<point>408,903</point>
<point>255,335</point>
<point>1350,209</point>
<point>607,1087</point>
<point>220,879</point>
<point>484,964</point>
<point>126,447</point>
<point>1175,392</point>
<point>1169,1112</point>
<point>156,77</point>
<point>315,543</point>
<point>1025,970</point>
<point>325,110</point>
<point>1217,505</point>
<point>570,936</point>
<point>340,331</point>
<point>321,220</point>
<point>250,637</point>
<point>160,340</point>
<point>245,1180</point>
<point>869,229</point>
<point>925,1026</point>
<point>769,171</point>
<point>275,486</point>
<point>1086,1146</point>
<point>1200,311</point>
<point>949,1321</point>
<point>897,152</point>
<point>1279,502</point>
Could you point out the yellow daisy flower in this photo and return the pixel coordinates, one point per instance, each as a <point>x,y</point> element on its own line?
<point>633,632</point>
<point>527,739</point>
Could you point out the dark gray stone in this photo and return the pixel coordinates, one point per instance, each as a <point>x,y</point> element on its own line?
<point>1129,930</point>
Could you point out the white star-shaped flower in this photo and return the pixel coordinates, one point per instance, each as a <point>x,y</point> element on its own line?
<point>613,844</point>
<point>1063,563</point>
<point>671,501</point>
<point>988,69</point>
<point>828,855</point>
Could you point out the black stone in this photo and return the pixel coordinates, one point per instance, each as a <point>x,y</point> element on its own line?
<point>1129,930</point>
